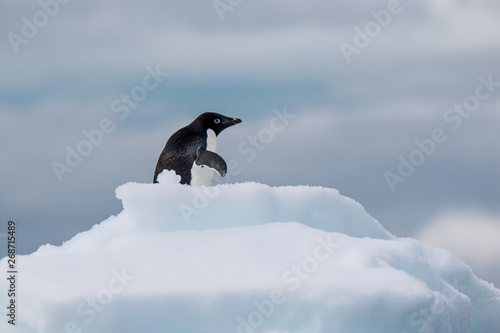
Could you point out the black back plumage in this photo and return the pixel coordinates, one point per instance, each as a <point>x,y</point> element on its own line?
<point>181,148</point>
<point>180,152</point>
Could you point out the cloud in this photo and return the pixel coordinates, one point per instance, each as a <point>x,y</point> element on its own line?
<point>471,235</point>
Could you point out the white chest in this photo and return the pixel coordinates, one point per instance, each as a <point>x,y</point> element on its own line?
<point>201,175</point>
<point>211,140</point>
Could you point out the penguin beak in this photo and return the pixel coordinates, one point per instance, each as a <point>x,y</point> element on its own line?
<point>228,122</point>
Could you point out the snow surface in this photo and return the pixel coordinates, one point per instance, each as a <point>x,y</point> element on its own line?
<point>245,258</point>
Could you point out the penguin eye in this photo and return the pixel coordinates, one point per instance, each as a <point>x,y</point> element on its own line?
<point>217,121</point>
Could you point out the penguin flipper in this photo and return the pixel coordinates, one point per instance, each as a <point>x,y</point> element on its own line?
<point>212,160</point>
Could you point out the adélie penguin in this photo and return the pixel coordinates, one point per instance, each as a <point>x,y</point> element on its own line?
<point>190,151</point>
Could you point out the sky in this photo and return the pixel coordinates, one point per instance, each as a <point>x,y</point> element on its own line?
<point>393,103</point>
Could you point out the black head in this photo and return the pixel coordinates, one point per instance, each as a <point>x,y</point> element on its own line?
<point>214,121</point>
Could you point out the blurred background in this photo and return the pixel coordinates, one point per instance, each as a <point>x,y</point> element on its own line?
<point>91,90</point>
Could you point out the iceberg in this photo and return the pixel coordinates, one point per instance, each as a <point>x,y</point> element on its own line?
<point>245,258</point>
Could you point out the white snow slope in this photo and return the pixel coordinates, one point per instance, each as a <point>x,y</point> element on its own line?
<point>245,258</point>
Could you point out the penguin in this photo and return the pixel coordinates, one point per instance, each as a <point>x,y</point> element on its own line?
<point>190,151</point>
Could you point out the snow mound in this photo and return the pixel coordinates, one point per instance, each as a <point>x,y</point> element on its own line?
<point>246,258</point>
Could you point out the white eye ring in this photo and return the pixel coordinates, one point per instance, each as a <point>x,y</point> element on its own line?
<point>217,121</point>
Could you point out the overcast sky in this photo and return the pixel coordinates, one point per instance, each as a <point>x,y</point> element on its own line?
<point>357,86</point>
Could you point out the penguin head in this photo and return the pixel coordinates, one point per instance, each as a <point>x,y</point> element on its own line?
<point>214,121</point>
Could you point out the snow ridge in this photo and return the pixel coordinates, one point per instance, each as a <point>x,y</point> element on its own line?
<point>246,258</point>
